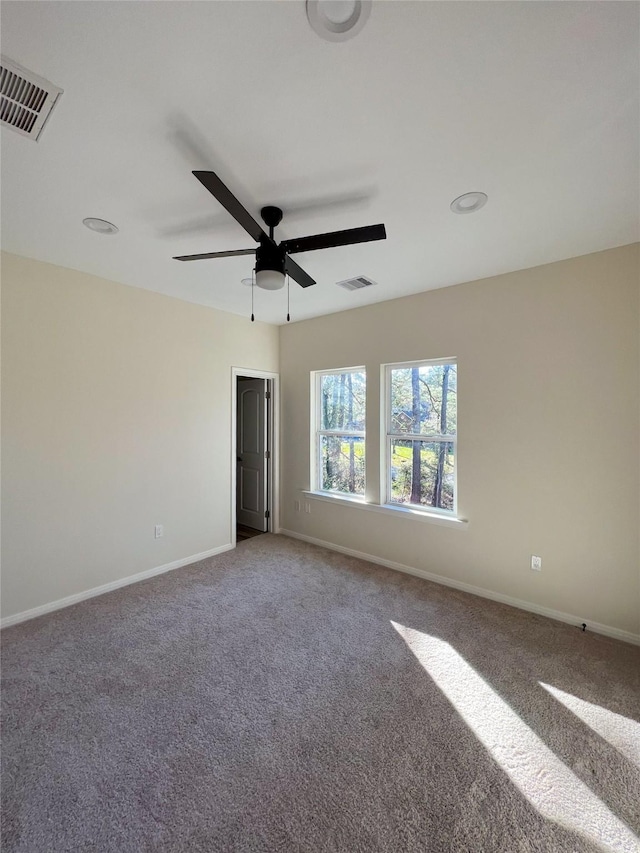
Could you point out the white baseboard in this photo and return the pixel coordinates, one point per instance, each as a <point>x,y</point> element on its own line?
<point>109,587</point>
<point>569,618</point>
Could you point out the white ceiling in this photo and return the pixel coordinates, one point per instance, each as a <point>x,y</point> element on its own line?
<point>536,104</point>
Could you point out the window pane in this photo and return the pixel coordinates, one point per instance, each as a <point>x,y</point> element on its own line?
<point>342,464</point>
<point>342,400</point>
<point>422,473</point>
<point>423,399</point>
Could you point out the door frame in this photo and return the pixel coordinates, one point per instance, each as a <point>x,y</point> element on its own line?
<point>273,446</point>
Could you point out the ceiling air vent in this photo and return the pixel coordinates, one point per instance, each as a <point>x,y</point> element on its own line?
<point>356,283</point>
<point>26,100</point>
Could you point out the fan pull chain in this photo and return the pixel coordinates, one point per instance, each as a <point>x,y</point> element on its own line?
<point>253,281</point>
<point>288,283</point>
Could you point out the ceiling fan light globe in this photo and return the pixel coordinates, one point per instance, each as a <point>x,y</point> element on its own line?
<point>270,279</point>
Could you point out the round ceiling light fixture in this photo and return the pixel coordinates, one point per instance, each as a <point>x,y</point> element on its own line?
<point>469,202</point>
<point>338,20</point>
<point>100,226</point>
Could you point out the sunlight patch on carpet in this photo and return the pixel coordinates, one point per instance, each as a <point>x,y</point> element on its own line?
<point>619,731</point>
<point>548,784</point>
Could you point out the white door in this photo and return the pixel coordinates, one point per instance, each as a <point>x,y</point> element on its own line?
<point>251,446</point>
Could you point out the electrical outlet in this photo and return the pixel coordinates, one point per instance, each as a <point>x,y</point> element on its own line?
<point>159,531</point>
<point>536,563</point>
<point>296,506</point>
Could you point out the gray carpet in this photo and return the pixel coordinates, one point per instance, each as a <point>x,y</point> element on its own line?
<point>281,697</point>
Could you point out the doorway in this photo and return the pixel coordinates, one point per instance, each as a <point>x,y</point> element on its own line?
<point>253,462</point>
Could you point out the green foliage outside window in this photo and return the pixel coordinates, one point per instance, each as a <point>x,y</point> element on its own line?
<point>343,409</point>
<point>423,403</point>
<point>422,417</point>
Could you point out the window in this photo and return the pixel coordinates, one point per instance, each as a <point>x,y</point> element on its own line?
<point>340,405</point>
<point>421,434</point>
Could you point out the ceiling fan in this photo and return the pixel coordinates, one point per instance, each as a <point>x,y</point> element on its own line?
<point>273,259</point>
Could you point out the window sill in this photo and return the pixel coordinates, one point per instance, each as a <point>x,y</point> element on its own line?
<point>390,509</point>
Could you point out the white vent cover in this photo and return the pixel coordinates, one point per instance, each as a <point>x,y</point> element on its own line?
<point>356,283</point>
<point>26,100</point>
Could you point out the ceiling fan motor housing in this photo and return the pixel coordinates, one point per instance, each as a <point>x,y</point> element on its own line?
<point>270,257</point>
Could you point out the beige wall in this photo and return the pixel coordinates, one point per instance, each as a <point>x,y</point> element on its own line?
<point>548,420</point>
<point>116,417</point>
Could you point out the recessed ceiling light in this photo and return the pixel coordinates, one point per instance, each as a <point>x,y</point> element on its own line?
<point>247,282</point>
<point>338,20</point>
<point>100,226</point>
<point>469,202</point>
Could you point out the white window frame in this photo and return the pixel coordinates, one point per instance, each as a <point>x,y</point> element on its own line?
<point>388,437</point>
<point>317,432</point>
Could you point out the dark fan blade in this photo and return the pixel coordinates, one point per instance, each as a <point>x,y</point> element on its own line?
<point>335,238</point>
<point>297,273</point>
<point>207,255</point>
<point>227,199</point>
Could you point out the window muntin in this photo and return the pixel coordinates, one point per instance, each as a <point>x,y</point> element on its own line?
<point>421,417</point>
<point>340,398</point>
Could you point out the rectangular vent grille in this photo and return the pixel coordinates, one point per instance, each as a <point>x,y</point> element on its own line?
<point>356,283</point>
<point>26,100</point>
